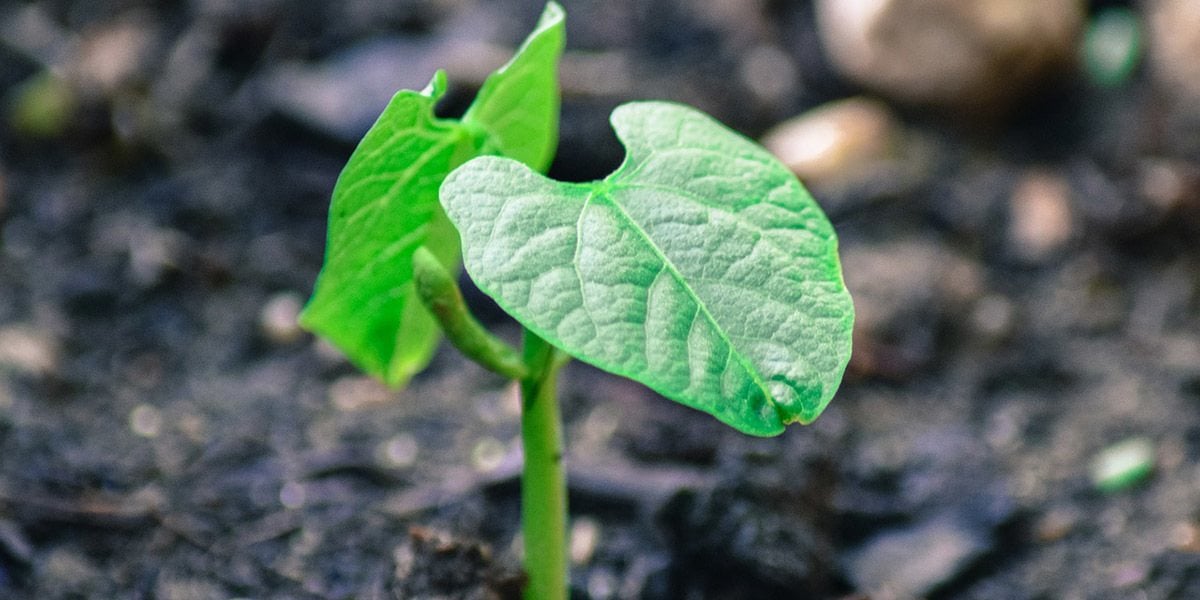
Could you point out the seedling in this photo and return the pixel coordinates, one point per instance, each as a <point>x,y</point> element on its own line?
<point>700,268</point>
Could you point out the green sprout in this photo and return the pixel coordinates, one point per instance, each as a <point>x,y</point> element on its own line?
<point>700,268</point>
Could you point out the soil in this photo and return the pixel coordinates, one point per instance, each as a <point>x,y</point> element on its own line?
<point>166,432</point>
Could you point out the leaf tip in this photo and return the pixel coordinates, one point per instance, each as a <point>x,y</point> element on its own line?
<point>437,86</point>
<point>552,15</point>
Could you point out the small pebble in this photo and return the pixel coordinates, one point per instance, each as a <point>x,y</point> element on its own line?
<point>600,425</point>
<point>911,562</point>
<point>354,392</point>
<point>585,536</point>
<point>1123,464</point>
<point>73,574</point>
<point>1166,184</point>
<point>292,495</point>
<point>28,350</point>
<point>1112,46</point>
<point>110,56</point>
<point>602,584</point>
<point>1040,216</point>
<point>195,427</point>
<point>993,316</point>
<point>487,455</point>
<point>769,73</point>
<point>146,421</point>
<point>1129,574</point>
<point>1055,525</point>
<point>171,587</point>
<point>400,451</point>
<point>836,144</point>
<point>1174,43</point>
<point>278,318</point>
<point>1185,537</point>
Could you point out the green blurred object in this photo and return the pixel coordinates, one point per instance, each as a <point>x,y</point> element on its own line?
<point>1123,464</point>
<point>1112,46</point>
<point>41,106</point>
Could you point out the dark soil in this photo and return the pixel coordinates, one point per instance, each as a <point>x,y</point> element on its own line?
<point>164,432</point>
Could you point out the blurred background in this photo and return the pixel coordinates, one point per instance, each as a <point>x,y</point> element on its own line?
<point>1016,184</point>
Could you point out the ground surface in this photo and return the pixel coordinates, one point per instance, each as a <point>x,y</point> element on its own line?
<point>164,432</point>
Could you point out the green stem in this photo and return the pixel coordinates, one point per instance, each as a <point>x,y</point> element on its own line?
<point>543,486</point>
<point>439,292</point>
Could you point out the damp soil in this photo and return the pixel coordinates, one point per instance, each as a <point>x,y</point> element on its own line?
<point>165,432</point>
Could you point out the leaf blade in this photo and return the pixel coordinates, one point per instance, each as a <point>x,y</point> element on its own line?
<point>670,271</point>
<point>519,104</point>
<point>385,204</point>
<point>379,216</point>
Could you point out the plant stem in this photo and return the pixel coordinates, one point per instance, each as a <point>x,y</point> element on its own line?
<point>439,292</point>
<point>543,486</point>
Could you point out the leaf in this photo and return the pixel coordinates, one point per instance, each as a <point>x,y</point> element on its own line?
<point>385,203</point>
<point>530,134</point>
<point>700,268</point>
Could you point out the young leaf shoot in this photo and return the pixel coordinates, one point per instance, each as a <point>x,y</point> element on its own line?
<point>385,203</point>
<point>701,267</point>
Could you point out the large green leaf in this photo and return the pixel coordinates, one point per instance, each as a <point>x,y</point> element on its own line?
<point>700,268</point>
<point>385,203</point>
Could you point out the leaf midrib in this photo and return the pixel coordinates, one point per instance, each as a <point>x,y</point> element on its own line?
<point>702,308</point>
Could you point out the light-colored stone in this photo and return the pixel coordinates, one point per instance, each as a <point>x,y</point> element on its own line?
<point>974,56</point>
<point>355,392</point>
<point>28,350</point>
<point>1175,47</point>
<point>769,73</point>
<point>278,318</point>
<point>111,56</point>
<point>837,143</point>
<point>911,562</point>
<point>585,537</point>
<point>1040,220</point>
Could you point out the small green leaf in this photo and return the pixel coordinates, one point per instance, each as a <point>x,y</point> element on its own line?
<point>529,134</point>
<point>385,203</point>
<point>700,268</point>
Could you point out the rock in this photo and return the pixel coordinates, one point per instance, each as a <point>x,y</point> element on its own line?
<point>836,144</point>
<point>1040,219</point>
<point>146,421</point>
<point>972,56</point>
<point>912,562</point>
<point>278,318</point>
<point>354,392</point>
<point>769,74</point>
<point>1174,40</point>
<point>111,56</point>
<point>172,587</point>
<point>73,574</point>
<point>151,252</point>
<point>28,350</point>
<point>584,538</point>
